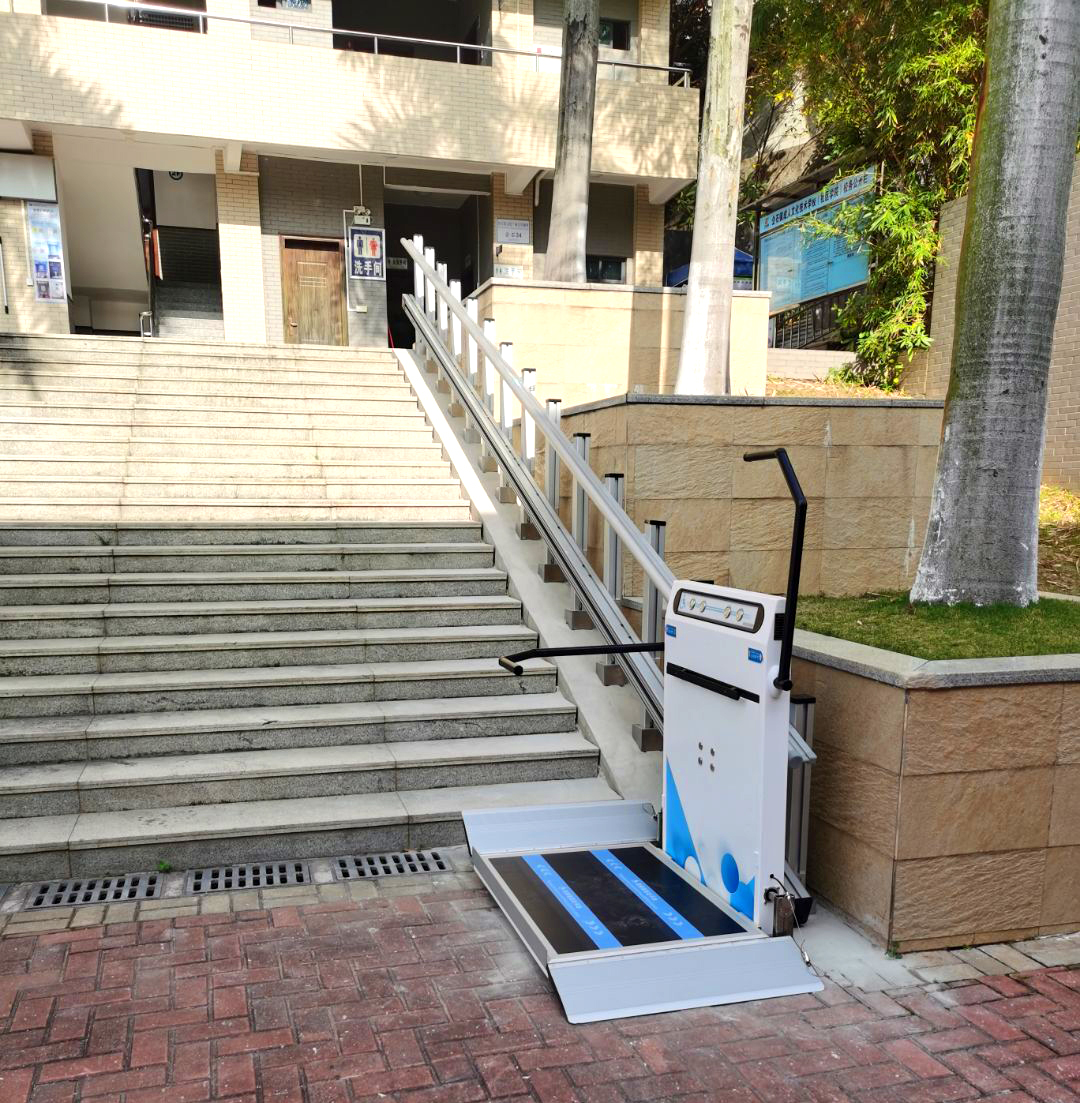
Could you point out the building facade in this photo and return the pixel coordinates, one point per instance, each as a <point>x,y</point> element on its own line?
<point>204,161</point>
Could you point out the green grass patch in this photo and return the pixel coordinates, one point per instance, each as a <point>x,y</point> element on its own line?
<point>890,622</point>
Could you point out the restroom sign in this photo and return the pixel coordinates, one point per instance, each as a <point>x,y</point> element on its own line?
<point>367,253</point>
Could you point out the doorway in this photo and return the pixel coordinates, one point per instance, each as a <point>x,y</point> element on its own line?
<point>313,291</point>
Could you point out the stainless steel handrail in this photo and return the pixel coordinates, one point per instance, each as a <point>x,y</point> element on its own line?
<point>203,17</point>
<point>598,601</point>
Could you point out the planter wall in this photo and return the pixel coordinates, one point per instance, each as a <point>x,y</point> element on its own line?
<point>945,807</point>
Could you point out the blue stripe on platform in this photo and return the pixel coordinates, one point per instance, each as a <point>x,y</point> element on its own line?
<point>575,907</point>
<point>655,903</point>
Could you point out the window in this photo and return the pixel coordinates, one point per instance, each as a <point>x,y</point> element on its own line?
<point>615,34</point>
<point>605,269</point>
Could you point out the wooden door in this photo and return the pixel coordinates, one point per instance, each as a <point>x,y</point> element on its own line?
<point>313,292</point>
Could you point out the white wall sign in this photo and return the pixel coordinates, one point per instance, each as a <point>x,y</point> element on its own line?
<point>397,264</point>
<point>509,272</point>
<point>46,252</point>
<point>512,231</point>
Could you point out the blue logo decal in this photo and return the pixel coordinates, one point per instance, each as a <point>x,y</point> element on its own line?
<point>670,630</point>
<point>755,655</point>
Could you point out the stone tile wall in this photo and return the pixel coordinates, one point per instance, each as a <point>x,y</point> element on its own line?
<point>866,468</point>
<point>929,372</point>
<point>945,817</point>
<point>241,252</point>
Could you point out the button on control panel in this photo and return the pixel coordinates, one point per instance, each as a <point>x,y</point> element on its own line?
<point>745,616</point>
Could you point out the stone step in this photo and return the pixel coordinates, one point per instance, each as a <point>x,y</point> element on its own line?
<point>400,430</point>
<point>150,405</point>
<point>204,558</point>
<point>217,451</point>
<point>135,735</point>
<point>233,650</point>
<point>182,781</point>
<point>95,843</point>
<point>40,488</point>
<point>62,387</point>
<point>51,695</point>
<point>256,511</point>
<point>114,349</point>
<point>47,622</point>
<point>118,468</point>
<point>78,589</point>
<point>206,370</point>
<point>180,534</point>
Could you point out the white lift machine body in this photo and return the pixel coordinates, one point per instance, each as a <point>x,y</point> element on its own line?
<point>630,913</point>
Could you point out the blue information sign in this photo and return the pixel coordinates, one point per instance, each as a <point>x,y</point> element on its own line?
<point>798,265</point>
<point>367,253</point>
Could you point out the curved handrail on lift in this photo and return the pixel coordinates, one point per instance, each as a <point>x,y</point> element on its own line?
<point>783,681</point>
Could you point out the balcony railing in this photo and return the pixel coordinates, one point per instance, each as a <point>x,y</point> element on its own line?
<point>178,18</point>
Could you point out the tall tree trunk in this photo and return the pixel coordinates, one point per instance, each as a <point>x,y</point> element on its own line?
<point>573,154</point>
<point>982,540</point>
<point>703,362</point>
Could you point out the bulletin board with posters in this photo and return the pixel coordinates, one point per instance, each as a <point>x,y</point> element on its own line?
<point>367,253</point>
<point>46,252</point>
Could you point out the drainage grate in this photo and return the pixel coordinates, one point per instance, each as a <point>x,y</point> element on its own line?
<point>96,890</point>
<point>390,865</point>
<point>257,875</point>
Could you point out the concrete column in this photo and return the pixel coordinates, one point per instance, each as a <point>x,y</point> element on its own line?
<point>240,240</point>
<point>648,240</point>
<point>654,37</point>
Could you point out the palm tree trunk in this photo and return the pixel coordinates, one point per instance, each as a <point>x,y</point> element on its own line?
<point>703,361</point>
<point>982,540</point>
<point>573,153</point>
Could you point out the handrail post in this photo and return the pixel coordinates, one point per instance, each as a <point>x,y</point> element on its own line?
<point>444,314</point>
<point>472,310</point>
<point>577,618</point>
<point>528,426</point>
<point>455,322</point>
<point>489,369</point>
<point>418,275</point>
<point>487,396</point>
<point>549,570</point>
<point>506,395</point>
<point>609,672</point>
<point>429,284</point>
<point>646,734</point>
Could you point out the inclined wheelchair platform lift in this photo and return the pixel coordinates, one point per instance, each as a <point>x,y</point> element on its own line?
<point>632,913</point>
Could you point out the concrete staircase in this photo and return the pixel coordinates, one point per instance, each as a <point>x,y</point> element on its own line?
<point>189,311</point>
<point>245,614</point>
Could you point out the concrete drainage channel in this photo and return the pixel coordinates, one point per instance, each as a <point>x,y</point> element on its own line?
<point>40,896</point>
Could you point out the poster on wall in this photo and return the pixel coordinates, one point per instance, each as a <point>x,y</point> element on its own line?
<point>367,253</point>
<point>46,252</point>
<point>797,265</point>
<point>512,231</point>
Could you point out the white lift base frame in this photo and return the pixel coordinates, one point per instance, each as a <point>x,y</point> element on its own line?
<point>619,928</point>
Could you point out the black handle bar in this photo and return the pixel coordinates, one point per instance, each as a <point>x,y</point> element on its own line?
<point>783,679</point>
<point>511,662</point>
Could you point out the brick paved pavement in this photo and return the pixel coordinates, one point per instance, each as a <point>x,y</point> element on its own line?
<point>429,997</point>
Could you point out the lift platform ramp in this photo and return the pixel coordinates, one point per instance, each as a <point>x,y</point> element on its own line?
<point>631,913</point>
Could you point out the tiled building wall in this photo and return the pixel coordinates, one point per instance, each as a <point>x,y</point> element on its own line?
<point>518,207</point>
<point>307,199</point>
<point>929,372</point>
<point>648,240</point>
<point>226,88</point>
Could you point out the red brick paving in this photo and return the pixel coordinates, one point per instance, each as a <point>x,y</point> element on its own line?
<point>430,999</point>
